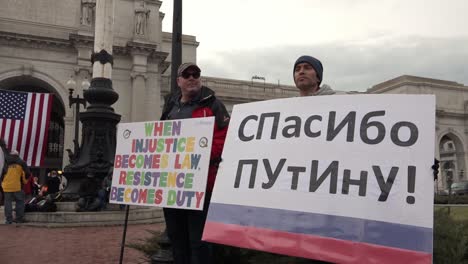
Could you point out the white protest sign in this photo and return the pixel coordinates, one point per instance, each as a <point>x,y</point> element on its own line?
<point>346,171</point>
<point>162,163</point>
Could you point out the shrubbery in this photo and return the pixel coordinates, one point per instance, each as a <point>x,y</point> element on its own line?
<point>455,199</point>
<point>450,239</point>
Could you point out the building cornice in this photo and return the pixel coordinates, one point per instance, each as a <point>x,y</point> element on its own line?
<point>186,39</point>
<point>415,81</point>
<point>152,2</point>
<point>81,40</point>
<point>148,49</point>
<point>26,40</point>
<point>77,40</point>
<point>139,47</point>
<point>448,113</point>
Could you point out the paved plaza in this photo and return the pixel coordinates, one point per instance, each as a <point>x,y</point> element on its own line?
<point>20,244</point>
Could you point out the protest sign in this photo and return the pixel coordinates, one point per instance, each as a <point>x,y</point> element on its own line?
<point>344,178</point>
<point>162,163</point>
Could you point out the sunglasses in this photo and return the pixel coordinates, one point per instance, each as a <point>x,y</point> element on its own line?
<point>187,75</point>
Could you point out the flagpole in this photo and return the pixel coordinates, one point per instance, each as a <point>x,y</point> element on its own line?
<point>176,58</point>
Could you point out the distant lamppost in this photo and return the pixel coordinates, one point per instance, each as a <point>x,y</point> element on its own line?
<point>71,84</point>
<point>449,173</point>
<point>256,77</point>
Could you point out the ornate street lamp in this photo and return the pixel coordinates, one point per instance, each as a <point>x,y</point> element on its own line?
<point>71,84</point>
<point>98,143</point>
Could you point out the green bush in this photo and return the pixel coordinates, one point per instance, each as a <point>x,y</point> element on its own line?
<point>455,199</point>
<point>450,239</point>
<point>230,255</point>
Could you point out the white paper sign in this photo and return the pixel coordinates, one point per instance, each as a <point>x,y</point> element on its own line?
<point>350,167</point>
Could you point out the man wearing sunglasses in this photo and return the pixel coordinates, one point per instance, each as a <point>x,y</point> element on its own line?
<point>185,227</point>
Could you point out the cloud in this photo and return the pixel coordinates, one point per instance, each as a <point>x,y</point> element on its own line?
<point>353,65</point>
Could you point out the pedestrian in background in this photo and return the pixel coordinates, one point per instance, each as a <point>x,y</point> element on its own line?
<point>11,184</point>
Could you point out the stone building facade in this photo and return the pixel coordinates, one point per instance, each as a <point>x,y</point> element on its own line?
<point>46,46</point>
<point>451,142</point>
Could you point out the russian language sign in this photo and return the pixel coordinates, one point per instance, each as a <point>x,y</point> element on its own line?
<point>162,163</point>
<point>344,178</point>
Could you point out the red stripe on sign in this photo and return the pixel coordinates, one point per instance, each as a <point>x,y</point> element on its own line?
<point>308,246</point>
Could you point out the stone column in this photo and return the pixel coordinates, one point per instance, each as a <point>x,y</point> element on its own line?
<point>103,39</point>
<point>138,96</point>
<point>154,97</point>
<point>139,81</point>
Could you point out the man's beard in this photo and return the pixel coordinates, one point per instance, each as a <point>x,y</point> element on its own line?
<point>307,87</point>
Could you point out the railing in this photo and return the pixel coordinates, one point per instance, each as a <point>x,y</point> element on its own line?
<point>241,91</point>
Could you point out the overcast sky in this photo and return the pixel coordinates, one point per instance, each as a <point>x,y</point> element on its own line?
<point>360,42</point>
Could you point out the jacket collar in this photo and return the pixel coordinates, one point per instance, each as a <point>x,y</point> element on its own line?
<point>205,95</point>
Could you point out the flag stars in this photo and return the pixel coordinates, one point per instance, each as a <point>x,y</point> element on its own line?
<point>12,105</point>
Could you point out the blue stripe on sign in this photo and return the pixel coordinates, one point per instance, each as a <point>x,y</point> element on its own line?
<point>345,228</point>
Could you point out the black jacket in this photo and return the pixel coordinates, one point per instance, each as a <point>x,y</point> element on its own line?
<point>207,99</point>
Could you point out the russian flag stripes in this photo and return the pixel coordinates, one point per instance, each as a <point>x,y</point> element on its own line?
<point>315,236</point>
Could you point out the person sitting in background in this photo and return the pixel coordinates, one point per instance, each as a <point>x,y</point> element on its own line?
<point>36,186</point>
<point>53,183</point>
<point>63,181</point>
<point>105,190</point>
<point>28,189</point>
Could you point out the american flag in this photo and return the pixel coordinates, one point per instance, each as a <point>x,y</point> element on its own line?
<point>24,122</point>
